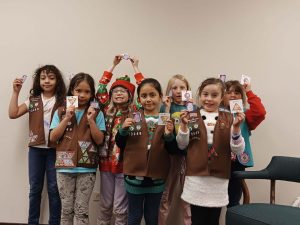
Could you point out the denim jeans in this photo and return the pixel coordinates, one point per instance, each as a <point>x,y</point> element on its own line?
<point>41,162</point>
<point>147,204</point>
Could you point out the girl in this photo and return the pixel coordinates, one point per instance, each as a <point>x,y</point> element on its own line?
<point>254,116</point>
<point>210,134</point>
<point>78,132</point>
<point>146,146</point>
<point>113,197</point>
<point>46,94</point>
<point>173,104</point>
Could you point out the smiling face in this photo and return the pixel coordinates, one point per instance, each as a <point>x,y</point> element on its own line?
<point>211,97</point>
<point>150,99</point>
<point>177,88</point>
<point>48,82</point>
<point>119,96</point>
<point>83,91</point>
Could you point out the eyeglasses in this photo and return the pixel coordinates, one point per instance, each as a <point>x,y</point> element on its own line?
<point>118,90</point>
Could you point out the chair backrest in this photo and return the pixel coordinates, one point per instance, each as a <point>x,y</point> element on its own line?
<point>284,168</point>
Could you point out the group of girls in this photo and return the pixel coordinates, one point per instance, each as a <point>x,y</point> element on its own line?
<point>141,162</point>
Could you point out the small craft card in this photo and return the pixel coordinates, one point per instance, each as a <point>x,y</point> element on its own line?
<point>170,94</point>
<point>223,78</point>
<point>245,80</point>
<point>186,96</point>
<point>23,78</point>
<point>236,105</point>
<point>94,104</point>
<point>162,118</point>
<point>137,117</point>
<point>125,56</point>
<point>72,100</point>
<point>189,106</point>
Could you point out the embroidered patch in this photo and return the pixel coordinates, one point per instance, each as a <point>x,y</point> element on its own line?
<point>32,137</point>
<point>244,157</point>
<point>84,150</point>
<point>64,159</point>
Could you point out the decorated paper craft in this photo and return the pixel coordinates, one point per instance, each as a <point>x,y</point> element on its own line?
<point>189,106</point>
<point>223,78</point>
<point>236,106</point>
<point>137,117</point>
<point>23,78</point>
<point>245,79</point>
<point>186,95</point>
<point>94,104</point>
<point>125,56</point>
<point>72,100</point>
<point>162,118</point>
<point>170,93</point>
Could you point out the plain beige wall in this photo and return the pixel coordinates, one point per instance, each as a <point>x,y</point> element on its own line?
<point>197,38</point>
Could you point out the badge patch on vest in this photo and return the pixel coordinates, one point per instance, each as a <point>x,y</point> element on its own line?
<point>244,157</point>
<point>32,137</point>
<point>64,159</point>
<point>194,127</point>
<point>84,145</point>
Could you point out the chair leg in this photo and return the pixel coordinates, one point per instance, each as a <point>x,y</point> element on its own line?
<point>272,192</point>
<point>246,195</point>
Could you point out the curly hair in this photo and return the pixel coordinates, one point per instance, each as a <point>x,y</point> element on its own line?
<point>60,89</point>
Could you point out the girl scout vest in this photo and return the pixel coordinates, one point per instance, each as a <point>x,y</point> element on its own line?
<point>215,160</point>
<point>76,147</point>
<point>138,159</point>
<point>36,122</point>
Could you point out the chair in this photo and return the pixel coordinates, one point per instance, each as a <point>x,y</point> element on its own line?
<point>280,168</point>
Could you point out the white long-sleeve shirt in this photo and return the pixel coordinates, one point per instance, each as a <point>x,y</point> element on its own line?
<point>208,191</point>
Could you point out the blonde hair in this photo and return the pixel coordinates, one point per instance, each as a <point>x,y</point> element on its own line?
<point>172,80</point>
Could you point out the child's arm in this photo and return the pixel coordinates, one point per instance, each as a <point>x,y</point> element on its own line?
<point>237,142</point>
<point>57,132</point>
<point>15,111</point>
<point>121,136</point>
<point>257,112</point>
<point>96,133</point>
<point>102,94</point>
<point>139,77</point>
<point>169,137</point>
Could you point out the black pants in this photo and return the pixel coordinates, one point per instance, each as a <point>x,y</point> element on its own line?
<point>205,215</point>
<point>235,185</point>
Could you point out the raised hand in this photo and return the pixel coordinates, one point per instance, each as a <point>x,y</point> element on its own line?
<point>239,118</point>
<point>91,113</point>
<point>169,127</point>
<point>17,85</point>
<point>70,112</point>
<point>127,123</point>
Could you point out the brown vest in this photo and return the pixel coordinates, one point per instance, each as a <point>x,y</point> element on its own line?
<point>76,147</point>
<point>198,161</point>
<point>36,122</point>
<point>138,160</point>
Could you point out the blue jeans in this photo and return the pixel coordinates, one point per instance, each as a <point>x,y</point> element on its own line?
<point>147,204</point>
<point>41,161</point>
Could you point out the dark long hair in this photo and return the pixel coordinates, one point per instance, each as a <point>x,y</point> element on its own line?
<point>60,89</point>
